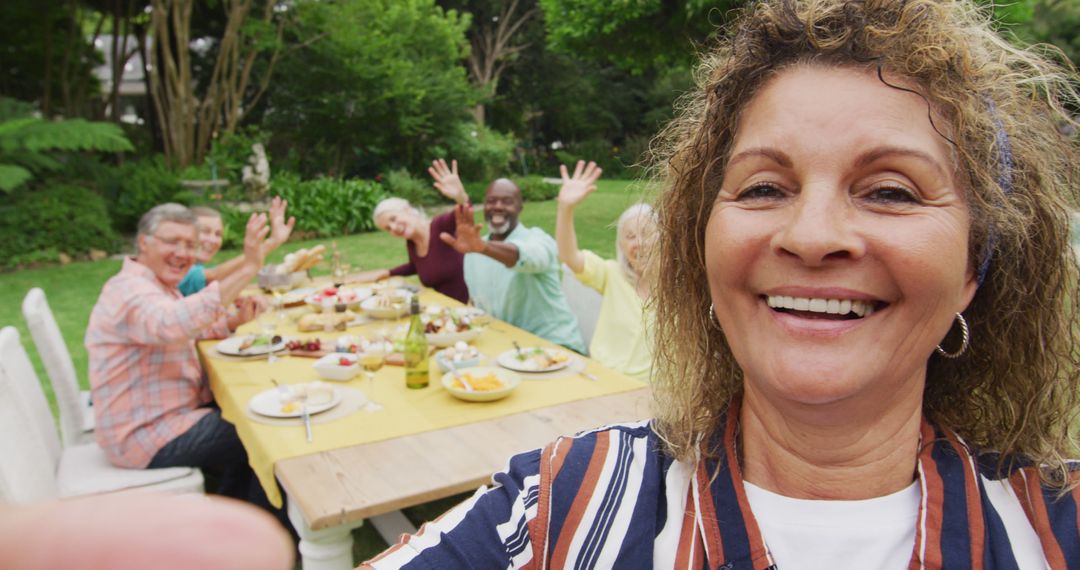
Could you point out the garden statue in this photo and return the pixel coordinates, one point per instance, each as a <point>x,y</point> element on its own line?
<point>256,174</point>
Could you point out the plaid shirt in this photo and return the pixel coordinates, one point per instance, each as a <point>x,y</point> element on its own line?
<point>147,383</point>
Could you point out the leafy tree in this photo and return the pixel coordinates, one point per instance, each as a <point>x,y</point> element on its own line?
<point>47,56</point>
<point>635,35</point>
<point>497,36</point>
<point>377,83</point>
<point>192,113</point>
<point>1057,22</point>
<point>29,145</point>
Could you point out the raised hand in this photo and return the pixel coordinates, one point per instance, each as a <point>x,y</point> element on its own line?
<point>447,180</point>
<point>247,308</point>
<point>467,235</point>
<point>575,188</point>
<point>254,236</point>
<point>279,229</point>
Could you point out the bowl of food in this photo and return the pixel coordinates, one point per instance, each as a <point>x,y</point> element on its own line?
<point>448,328</point>
<point>481,384</point>
<point>460,354</point>
<point>337,366</point>
<point>387,304</point>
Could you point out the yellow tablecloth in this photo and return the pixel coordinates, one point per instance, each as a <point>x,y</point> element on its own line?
<point>234,382</point>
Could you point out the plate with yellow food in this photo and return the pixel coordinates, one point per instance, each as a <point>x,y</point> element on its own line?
<point>481,384</point>
<point>286,401</point>
<point>534,359</point>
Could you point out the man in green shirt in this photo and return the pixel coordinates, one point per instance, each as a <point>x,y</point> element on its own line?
<point>514,272</point>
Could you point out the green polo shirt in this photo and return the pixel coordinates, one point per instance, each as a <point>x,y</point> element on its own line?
<point>528,295</point>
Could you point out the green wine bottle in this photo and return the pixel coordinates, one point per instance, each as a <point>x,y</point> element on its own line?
<point>416,350</point>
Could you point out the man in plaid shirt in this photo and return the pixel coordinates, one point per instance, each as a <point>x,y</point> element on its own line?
<point>152,404</point>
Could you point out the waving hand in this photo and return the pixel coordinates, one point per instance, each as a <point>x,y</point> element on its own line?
<point>575,188</point>
<point>447,180</point>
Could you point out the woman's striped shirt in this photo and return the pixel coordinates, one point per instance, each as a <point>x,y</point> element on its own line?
<point>611,498</point>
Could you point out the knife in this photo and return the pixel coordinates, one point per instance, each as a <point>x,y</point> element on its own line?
<point>307,418</point>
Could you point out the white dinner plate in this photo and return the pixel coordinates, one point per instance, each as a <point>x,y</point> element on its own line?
<point>445,339</point>
<point>510,359</point>
<point>268,403</point>
<point>231,346</point>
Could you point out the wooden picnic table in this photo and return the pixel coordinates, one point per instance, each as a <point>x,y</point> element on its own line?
<point>424,445</point>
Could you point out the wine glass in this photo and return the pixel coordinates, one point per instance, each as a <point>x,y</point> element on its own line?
<point>268,322</point>
<point>341,271</point>
<point>372,361</point>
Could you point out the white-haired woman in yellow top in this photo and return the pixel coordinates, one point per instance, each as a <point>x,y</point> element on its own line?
<point>621,340</point>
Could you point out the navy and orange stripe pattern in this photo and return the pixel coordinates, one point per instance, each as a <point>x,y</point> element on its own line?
<point>611,498</point>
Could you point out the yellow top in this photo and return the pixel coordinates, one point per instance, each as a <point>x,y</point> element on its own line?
<point>622,340</point>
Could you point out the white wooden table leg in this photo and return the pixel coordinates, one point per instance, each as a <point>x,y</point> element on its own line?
<point>391,526</point>
<point>325,549</point>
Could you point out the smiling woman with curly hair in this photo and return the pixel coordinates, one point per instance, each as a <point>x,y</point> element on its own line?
<point>866,318</point>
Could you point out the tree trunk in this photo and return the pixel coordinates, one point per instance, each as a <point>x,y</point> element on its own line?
<point>149,107</point>
<point>492,50</point>
<point>189,123</point>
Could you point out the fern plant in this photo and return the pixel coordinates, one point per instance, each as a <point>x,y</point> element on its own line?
<point>29,145</point>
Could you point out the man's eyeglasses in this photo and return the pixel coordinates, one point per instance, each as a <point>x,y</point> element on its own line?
<point>177,244</point>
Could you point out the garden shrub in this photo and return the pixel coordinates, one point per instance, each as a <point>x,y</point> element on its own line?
<point>36,226</point>
<point>141,185</point>
<point>417,191</point>
<point>482,153</point>
<point>327,207</point>
<point>534,189</point>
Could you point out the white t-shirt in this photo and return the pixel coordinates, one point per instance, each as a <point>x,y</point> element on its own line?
<point>874,533</point>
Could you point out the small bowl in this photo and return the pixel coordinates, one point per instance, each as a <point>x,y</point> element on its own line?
<point>329,366</point>
<point>373,310</point>
<point>444,363</point>
<point>509,379</point>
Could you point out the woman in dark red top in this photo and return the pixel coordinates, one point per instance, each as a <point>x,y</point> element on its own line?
<point>438,265</point>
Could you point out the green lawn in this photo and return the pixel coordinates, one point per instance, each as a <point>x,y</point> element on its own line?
<point>73,289</point>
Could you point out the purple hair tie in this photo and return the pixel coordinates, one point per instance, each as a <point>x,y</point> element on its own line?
<point>1004,180</point>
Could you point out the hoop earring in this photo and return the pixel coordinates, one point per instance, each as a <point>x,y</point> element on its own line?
<point>964,342</point>
<point>712,316</point>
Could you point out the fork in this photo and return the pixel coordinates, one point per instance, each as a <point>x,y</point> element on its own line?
<point>464,382</point>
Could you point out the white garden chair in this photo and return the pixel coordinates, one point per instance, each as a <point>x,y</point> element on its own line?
<point>76,416</point>
<point>584,303</point>
<point>35,466</point>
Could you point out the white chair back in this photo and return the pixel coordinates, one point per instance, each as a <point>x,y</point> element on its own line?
<point>58,365</point>
<point>584,303</point>
<point>29,444</point>
<point>35,467</point>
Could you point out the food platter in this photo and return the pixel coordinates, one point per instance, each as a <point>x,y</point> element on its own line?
<point>534,359</point>
<point>235,345</point>
<point>387,306</point>
<point>296,296</point>
<point>351,297</point>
